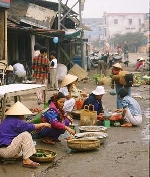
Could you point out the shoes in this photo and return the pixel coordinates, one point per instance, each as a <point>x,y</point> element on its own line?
<point>31,165</point>
<point>126,125</point>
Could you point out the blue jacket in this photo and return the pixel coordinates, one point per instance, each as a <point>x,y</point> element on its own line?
<point>92,100</point>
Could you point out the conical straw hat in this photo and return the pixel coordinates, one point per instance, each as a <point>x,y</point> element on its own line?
<point>9,68</point>
<point>68,79</point>
<point>117,65</point>
<point>18,109</point>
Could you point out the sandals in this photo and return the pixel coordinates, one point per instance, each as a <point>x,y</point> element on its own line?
<point>57,140</point>
<point>48,141</point>
<point>126,125</point>
<point>31,165</point>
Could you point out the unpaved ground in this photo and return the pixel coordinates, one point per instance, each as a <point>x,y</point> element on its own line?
<point>125,152</point>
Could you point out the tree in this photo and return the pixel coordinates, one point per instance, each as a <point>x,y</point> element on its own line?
<point>134,40</point>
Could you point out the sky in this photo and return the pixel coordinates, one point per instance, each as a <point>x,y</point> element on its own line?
<point>95,8</point>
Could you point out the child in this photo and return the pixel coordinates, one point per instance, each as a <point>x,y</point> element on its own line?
<point>131,112</point>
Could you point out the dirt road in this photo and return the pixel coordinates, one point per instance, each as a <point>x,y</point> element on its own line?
<point>125,152</point>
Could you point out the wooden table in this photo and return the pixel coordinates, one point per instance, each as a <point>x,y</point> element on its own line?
<point>18,90</point>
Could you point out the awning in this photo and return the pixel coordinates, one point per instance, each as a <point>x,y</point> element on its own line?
<point>48,33</point>
<point>75,20</point>
<point>72,33</point>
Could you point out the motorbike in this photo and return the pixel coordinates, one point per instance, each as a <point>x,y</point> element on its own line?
<point>115,58</point>
<point>94,58</point>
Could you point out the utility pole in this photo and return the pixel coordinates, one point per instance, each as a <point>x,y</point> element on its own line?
<point>66,14</point>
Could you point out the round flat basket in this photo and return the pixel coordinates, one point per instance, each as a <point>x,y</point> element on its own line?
<point>83,144</point>
<point>95,135</point>
<point>93,129</point>
<point>43,155</point>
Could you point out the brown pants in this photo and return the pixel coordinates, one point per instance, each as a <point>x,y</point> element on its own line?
<point>23,143</point>
<point>102,66</point>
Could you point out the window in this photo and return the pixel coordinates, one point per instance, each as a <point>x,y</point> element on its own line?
<point>130,21</point>
<point>115,21</point>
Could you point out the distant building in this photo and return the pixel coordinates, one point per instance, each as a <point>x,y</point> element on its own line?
<point>95,25</point>
<point>121,23</point>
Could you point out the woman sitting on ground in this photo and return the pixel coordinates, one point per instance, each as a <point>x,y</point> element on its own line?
<point>66,89</point>
<point>95,99</point>
<point>15,137</point>
<point>131,112</point>
<point>58,119</point>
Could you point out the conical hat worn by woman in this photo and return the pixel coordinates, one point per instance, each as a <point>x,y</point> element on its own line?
<point>18,109</point>
<point>68,79</point>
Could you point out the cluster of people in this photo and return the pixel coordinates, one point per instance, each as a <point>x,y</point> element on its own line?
<point>16,134</point>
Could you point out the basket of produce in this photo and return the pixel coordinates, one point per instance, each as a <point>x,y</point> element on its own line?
<point>98,135</point>
<point>83,144</point>
<point>44,155</point>
<point>93,129</point>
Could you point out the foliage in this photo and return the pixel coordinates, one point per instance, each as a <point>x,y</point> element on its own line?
<point>136,39</point>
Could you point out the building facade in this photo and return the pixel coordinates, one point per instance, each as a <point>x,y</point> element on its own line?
<point>121,23</point>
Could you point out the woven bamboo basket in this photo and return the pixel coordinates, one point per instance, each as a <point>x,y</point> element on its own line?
<point>83,144</point>
<point>50,155</point>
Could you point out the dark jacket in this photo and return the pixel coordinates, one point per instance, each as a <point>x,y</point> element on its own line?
<point>92,100</point>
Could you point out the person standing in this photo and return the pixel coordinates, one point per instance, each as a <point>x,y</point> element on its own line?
<point>53,71</point>
<point>41,68</point>
<point>37,48</point>
<point>118,82</point>
<point>126,51</point>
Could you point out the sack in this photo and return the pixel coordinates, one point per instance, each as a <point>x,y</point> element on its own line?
<point>79,104</point>
<point>129,79</point>
<point>122,77</point>
<point>87,116</point>
<point>126,78</point>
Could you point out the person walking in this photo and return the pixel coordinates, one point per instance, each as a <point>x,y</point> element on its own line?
<point>41,69</point>
<point>102,64</point>
<point>53,71</point>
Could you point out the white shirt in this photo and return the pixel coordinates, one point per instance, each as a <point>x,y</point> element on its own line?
<point>64,90</point>
<point>55,63</point>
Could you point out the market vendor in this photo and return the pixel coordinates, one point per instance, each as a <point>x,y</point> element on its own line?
<point>118,81</point>
<point>15,137</point>
<point>58,119</point>
<point>66,89</point>
<point>95,98</point>
<point>131,112</point>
